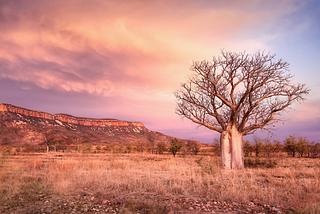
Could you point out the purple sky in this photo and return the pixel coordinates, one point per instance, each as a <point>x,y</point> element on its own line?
<point>124,59</point>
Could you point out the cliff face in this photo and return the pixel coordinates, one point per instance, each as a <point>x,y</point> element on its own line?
<point>23,111</point>
<point>19,126</point>
<point>65,118</point>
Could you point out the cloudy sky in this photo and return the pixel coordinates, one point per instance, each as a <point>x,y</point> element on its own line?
<point>124,59</point>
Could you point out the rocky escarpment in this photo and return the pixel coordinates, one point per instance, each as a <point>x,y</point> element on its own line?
<point>18,115</point>
<point>32,124</point>
<point>65,118</point>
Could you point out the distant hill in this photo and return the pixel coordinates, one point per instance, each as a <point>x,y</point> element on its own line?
<point>20,126</point>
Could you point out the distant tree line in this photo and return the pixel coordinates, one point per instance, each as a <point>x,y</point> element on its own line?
<point>293,146</point>
<point>80,145</point>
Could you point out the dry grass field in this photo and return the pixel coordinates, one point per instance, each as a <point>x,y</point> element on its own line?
<point>293,184</point>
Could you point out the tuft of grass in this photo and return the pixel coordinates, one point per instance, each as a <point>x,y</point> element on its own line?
<point>208,166</point>
<point>18,188</point>
<point>259,163</point>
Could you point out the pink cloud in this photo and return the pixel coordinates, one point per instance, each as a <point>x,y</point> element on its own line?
<point>133,53</point>
<point>67,44</point>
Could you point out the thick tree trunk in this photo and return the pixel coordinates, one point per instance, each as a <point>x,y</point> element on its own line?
<point>225,150</point>
<point>231,148</point>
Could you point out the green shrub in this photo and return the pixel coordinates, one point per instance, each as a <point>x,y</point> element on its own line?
<point>86,148</point>
<point>161,147</point>
<point>6,150</point>
<point>175,146</point>
<point>98,148</point>
<point>30,148</point>
<point>291,145</point>
<point>193,147</point>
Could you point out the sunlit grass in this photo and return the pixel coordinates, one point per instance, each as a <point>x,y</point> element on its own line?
<point>292,183</point>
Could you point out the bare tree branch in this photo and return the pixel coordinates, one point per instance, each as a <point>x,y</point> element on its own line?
<point>246,90</point>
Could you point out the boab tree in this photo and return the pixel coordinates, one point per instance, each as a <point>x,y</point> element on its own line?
<point>235,94</point>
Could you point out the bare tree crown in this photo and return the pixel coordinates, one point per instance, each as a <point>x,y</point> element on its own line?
<point>238,89</point>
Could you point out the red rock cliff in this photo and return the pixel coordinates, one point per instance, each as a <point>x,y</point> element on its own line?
<point>67,118</point>
<point>23,111</point>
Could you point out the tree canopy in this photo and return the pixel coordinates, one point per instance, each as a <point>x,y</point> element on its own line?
<point>247,90</point>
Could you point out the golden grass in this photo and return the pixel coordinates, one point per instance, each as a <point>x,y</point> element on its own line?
<point>293,183</point>
<point>17,187</point>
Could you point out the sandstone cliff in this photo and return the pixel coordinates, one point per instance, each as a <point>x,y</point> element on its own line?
<point>4,107</point>
<point>29,127</point>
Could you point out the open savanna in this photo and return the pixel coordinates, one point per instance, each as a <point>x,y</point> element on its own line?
<point>292,184</point>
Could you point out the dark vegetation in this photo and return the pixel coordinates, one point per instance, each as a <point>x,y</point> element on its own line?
<point>294,146</point>
<point>254,150</point>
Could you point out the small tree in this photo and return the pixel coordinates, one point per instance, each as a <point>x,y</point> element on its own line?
<point>236,94</point>
<point>291,145</point>
<point>78,141</point>
<point>129,148</point>
<point>140,145</point>
<point>216,147</point>
<point>302,146</point>
<point>50,139</point>
<point>193,147</point>
<point>248,148</point>
<point>152,141</point>
<point>161,147</point>
<point>267,147</point>
<point>54,144</point>
<point>107,148</point>
<point>98,148</point>
<point>148,147</point>
<point>175,146</point>
<point>18,149</point>
<point>118,148</point>
<point>7,150</point>
<point>257,147</point>
<point>314,150</point>
<point>86,148</point>
<point>311,148</point>
<point>276,147</point>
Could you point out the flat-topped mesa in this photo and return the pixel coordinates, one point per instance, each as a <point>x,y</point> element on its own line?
<point>4,107</point>
<point>66,118</point>
<point>83,121</point>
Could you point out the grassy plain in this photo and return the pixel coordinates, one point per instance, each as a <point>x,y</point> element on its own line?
<point>294,183</point>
